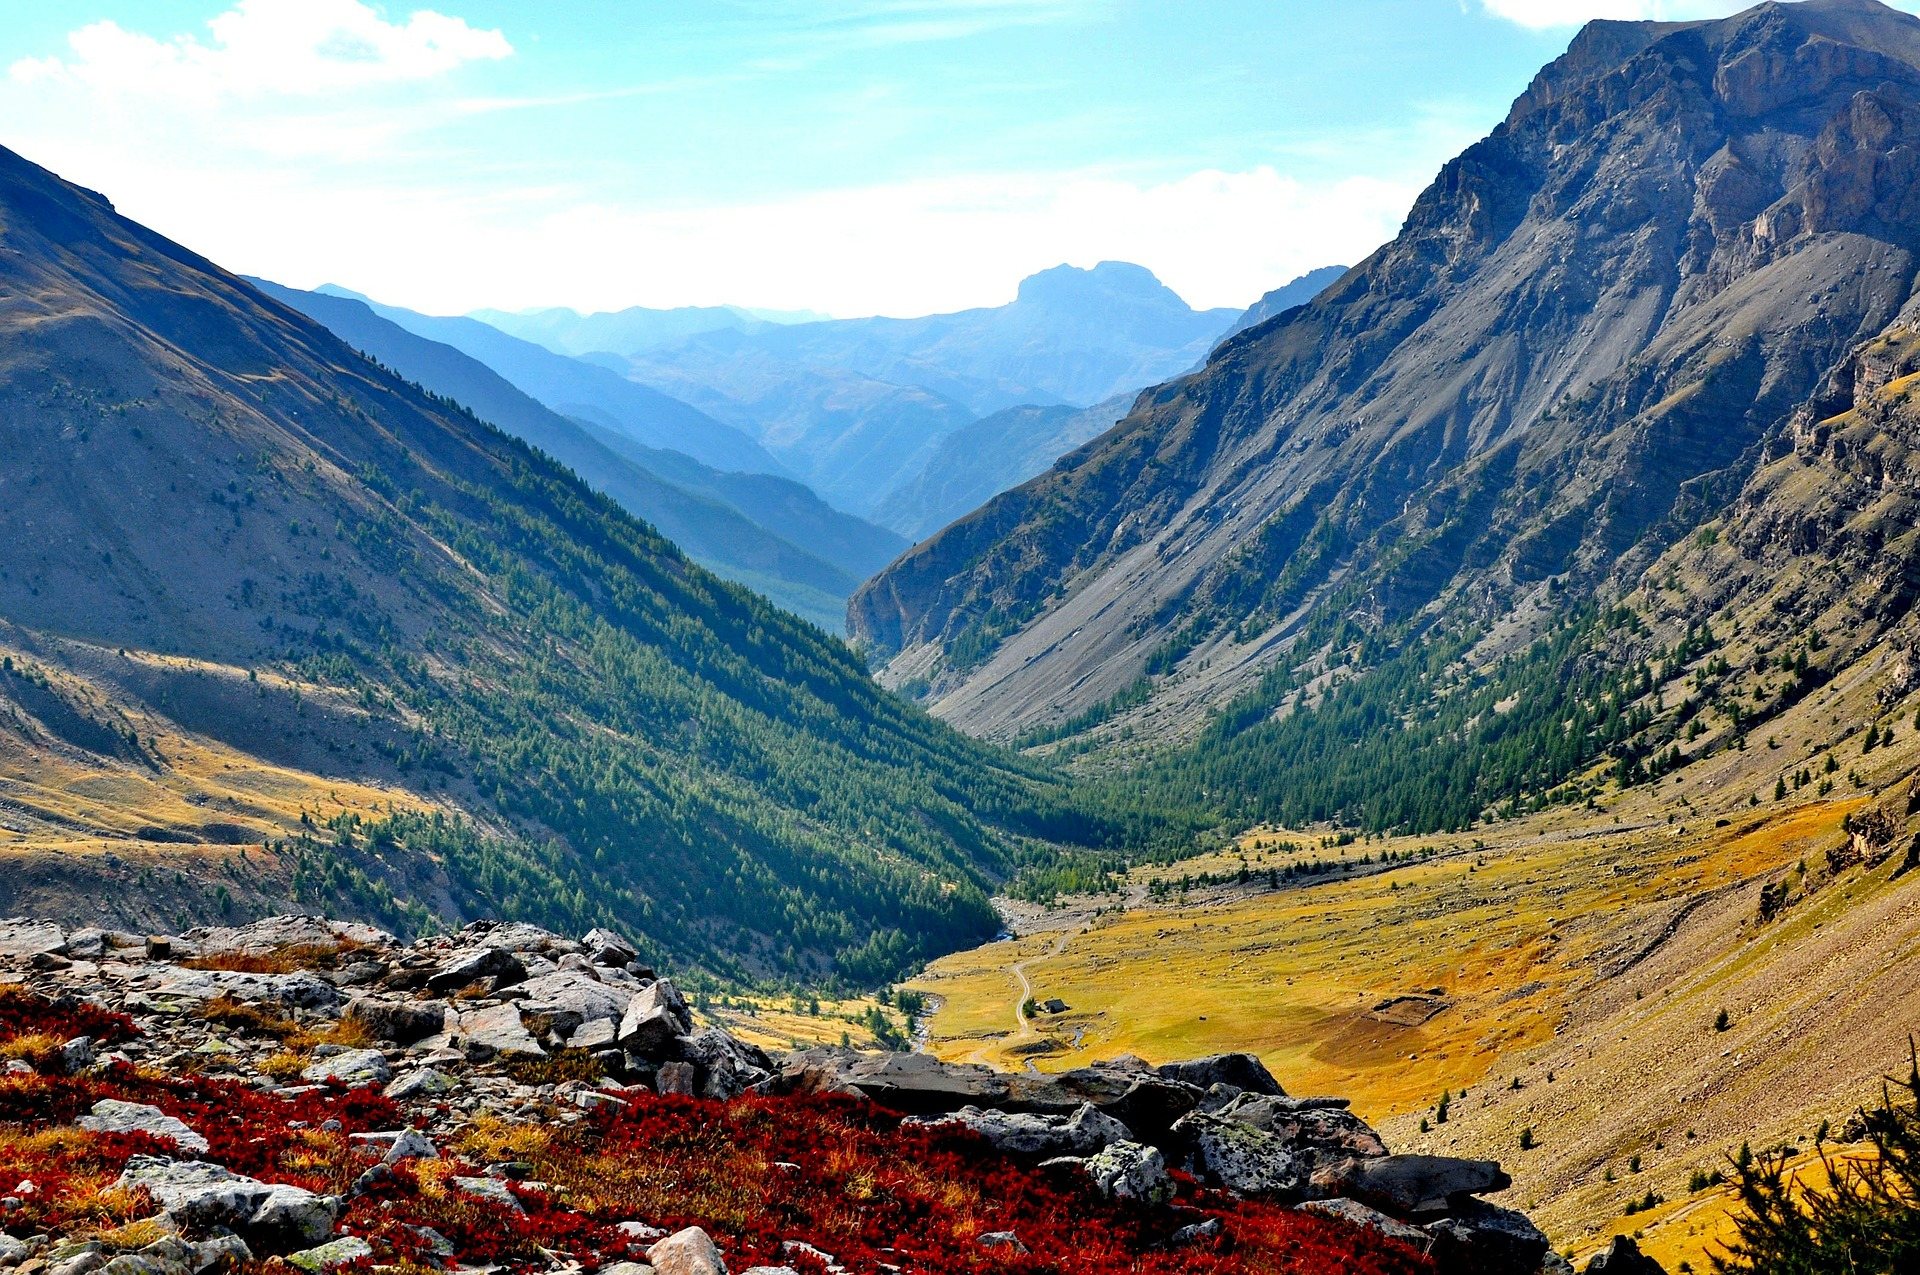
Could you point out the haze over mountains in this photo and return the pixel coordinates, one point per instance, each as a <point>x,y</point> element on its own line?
<point>746,527</point>
<point>858,408</point>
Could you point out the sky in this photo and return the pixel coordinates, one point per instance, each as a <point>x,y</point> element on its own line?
<point>839,156</point>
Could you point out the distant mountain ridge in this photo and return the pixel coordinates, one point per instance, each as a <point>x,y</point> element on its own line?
<point>747,528</point>
<point>569,385</point>
<point>858,407</point>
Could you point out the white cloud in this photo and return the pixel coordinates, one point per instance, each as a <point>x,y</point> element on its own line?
<point>1543,14</point>
<point>268,48</point>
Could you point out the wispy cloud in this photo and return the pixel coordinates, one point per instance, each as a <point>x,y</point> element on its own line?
<point>846,25</point>
<point>268,48</point>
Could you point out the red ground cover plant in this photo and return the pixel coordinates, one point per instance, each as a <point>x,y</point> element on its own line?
<point>837,1173</point>
<point>26,1013</point>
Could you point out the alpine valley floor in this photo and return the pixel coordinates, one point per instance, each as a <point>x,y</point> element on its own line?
<point>1563,974</point>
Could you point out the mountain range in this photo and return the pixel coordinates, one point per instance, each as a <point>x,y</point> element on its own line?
<point>746,527</point>
<point>859,408</point>
<point>328,637</point>
<point>1595,324</point>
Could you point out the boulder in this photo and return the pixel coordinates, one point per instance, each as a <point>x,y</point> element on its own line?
<point>498,965</point>
<point>290,1218</point>
<point>1481,1239</point>
<point>1238,1157</point>
<point>1418,1186</point>
<point>1007,1240</point>
<point>20,937</point>
<point>600,1034</point>
<point>421,1082</point>
<point>76,1055</point>
<point>1244,1072</point>
<point>1130,1092</point>
<point>88,944</point>
<point>637,1268</point>
<point>655,1018</point>
<point>1129,1171</point>
<point>194,1194</point>
<point>352,1067</point>
<point>916,1084</point>
<point>401,1022</point>
<point>293,991</point>
<point>604,947</point>
<point>688,1252</point>
<point>1623,1257</point>
<point>1358,1214</point>
<point>491,1190</point>
<point>110,1115</point>
<point>563,1001</point>
<point>1083,1133</point>
<point>1327,1133</point>
<point>344,1251</point>
<point>276,933</point>
<point>497,1032</point>
<point>728,1066</point>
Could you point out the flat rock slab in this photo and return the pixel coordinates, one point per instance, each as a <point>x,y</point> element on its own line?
<point>299,991</point>
<point>355,1067</point>
<point>279,932</point>
<point>21,937</point>
<point>110,1115</point>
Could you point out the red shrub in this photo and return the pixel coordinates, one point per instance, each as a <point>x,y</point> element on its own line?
<point>27,1013</point>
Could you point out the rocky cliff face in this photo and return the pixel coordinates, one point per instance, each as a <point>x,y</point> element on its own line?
<point>319,1092</point>
<point>1679,229</point>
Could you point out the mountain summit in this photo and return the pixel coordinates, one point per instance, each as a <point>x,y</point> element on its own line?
<point>1589,319</point>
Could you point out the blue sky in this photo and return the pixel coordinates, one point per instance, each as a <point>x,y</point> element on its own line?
<point>847,156</point>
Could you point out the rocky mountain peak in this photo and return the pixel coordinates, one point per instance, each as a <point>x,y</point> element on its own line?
<point>1077,287</point>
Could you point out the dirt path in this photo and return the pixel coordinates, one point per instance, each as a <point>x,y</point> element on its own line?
<point>1022,1026</point>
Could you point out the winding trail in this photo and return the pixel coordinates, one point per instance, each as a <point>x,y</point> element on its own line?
<point>1022,1026</point>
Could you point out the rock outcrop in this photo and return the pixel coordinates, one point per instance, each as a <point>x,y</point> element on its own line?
<point>455,1022</point>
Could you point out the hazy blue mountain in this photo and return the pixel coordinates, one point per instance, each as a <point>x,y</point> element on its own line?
<point>858,407</point>
<point>996,453</point>
<point>1286,296</point>
<point>626,331</point>
<point>570,385</point>
<point>752,536</point>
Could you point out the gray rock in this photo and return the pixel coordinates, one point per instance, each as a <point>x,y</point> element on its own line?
<point>766,1270</point>
<point>402,1022</point>
<point>1226,1153</point>
<point>1129,1171</point>
<point>1419,1186</point>
<point>679,1078</point>
<point>20,937</point>
<point>497,1033</point>
<point>195,1194</point>
<point>728,1067</point>
<point>1623,1257</point>
<point>1487,1240</point>
<point>341,1252</point>
<point>1080,1134</point>
<point>916,1084</point>
<point>295,991</point>
<point>1373,1219</point>
<point>354,1068</point>
<point>421,1082</point>
<point>292,1218</point>
<point>1243,1071</point>
<point>1002,1239</point>
<point>490,1189</point>
<point>688,1252</point>
<point>498,964</point>
<point>600,1034</point>
<point>145,1264</point>
<point>221,1253</point>
<point>1196,1233</point>
<point>411,1144</point>
<point>88,944</point>
<point>561,1002</point>
<point>110,1115</point>
<point>1327,1133</point>
<point>655,1018</point>
<point>13,1251</point>
<point>80,1263</point>
<point>77,1055</point>
<point>274,933</point>
<point>631,1268</point>
<point>604,947</point>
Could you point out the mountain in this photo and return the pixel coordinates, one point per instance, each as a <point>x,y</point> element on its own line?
<point>747,528</point>
<point>1285,297</point>
<point>1371,527</point>
<point>571,386</point>
<point>977,462</point>
<point>629,331</point>
<point>283,629</point>
<point>858,407</point>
